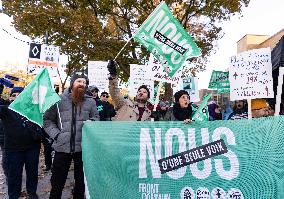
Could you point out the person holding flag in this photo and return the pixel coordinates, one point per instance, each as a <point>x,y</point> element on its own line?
<point>139,110</point>
<point>22,146</point>
<point>63,122</point>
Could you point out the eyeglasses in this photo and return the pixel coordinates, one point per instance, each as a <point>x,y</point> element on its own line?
<point>105,96</point>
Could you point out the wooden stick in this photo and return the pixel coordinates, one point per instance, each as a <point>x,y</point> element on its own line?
<point>279,91</point>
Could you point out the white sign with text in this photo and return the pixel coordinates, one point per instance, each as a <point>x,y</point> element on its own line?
<point>98,75</point>
<point>250,75</point>
<point>139,75</point>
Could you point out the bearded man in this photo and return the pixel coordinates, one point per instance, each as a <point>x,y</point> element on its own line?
<point>63,122</point>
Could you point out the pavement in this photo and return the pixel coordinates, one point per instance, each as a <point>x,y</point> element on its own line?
<point>44,186</point>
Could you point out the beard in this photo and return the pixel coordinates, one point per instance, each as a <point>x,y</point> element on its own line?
<point>77,95</point>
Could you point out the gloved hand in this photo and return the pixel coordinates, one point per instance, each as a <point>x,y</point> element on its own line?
<point>111,66</point>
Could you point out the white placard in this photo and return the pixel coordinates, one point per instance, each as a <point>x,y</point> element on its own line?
<point>190,84</point>
<point>98,75</point>
<point>139,75</point>
<point>250,75</point>
<point>43,56</point>
<point>157,72</point>
<point>49,53</point>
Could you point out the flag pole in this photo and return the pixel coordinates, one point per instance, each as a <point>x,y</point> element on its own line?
<point>123,48</point>
<point>279,91</point>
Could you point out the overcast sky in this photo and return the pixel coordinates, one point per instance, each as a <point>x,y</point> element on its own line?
<point>260,17</point>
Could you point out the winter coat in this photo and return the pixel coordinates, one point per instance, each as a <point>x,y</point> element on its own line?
<point>126,109</point>
<point>58,121</point>
<point>106,111</point>
<point>20,134</point>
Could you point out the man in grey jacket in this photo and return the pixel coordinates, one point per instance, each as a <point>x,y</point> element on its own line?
<point>63,123</point>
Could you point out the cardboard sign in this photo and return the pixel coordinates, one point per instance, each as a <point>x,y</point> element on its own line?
<point>139,75</point>
<point>98,75</point>
<point>251,75</point>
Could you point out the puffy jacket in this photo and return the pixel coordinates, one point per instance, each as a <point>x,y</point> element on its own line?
<point>126,109</point>
<point>57,122</point>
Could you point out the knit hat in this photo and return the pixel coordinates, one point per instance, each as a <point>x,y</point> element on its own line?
<point>104,93</point>
<point>179,94</point>
<point>77,76</point>
<point>16,90</point>
<point>93,88</point>
<point>146,88</point>
<point>257,104</point>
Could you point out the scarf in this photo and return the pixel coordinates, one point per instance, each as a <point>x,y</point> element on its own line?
<point>182,114</point>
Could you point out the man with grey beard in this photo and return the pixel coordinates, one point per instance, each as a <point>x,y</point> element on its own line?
<point>63,122</point>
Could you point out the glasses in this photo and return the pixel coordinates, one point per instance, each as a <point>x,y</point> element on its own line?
<point>105,96</point>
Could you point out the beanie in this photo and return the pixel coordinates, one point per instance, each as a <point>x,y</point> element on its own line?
<point>146,88</point>
<point>16,90</point>
<point>76,76</point>
<point>257,104</point>
<point>179,94</point>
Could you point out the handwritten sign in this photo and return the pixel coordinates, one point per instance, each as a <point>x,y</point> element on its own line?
<point>251,75</point>
<point>98,74</point>
<point>190,84</point>
<point>139,75</point>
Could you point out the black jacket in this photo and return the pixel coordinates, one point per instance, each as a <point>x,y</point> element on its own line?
<point>20,134</point>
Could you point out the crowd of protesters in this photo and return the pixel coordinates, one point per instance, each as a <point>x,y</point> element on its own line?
<point>62,130</point>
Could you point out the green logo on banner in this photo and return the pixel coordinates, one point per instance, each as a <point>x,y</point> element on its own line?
<point>166,39</point>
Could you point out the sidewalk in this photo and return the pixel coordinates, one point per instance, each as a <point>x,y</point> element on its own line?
<point>44,186</point>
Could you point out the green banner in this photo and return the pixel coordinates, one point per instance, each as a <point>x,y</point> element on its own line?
<point>166,39</point>
<point>233,159</point>
<point>220,81</point>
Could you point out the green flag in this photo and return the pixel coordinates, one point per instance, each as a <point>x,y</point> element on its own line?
<point>220,80</point>
<point>201,113</point>
<point>37,97</point>
<point>166,39</point>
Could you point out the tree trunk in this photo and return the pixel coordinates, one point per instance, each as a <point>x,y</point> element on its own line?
<point>168,92</point>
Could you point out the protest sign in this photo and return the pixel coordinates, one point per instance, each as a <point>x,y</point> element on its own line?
<point>164,36</point>
<point>43,56</point>
<point>98,75</point>
<point>139,75</point>
<point>190,84</point>
<point>251,75</point>
<point>225,159</point>
<point>37,97</point>
<point>220,81</point>
<point>158,72</point>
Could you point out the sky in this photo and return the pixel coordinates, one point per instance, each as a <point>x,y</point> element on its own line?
<point>262,17</point>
